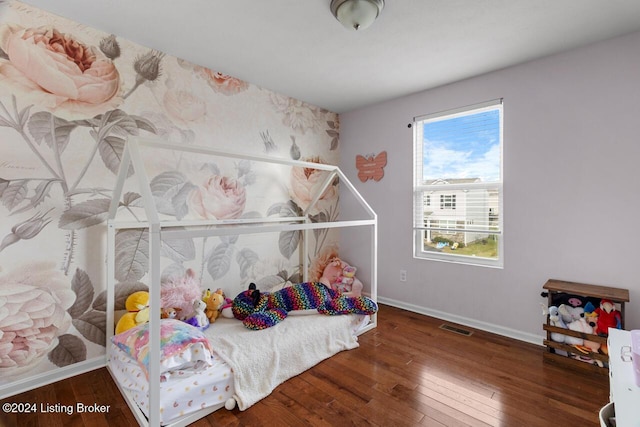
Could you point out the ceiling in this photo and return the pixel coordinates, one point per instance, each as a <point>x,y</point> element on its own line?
<point>297,48</point>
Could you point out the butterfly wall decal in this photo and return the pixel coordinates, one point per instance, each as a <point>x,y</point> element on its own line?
<point>371,166</point>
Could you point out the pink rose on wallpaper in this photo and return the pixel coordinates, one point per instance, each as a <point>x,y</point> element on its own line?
<point>33,312</point>
<point>218,198</point>
<point>56,71</point>
<point>306,182</point>
<point>223,83</point>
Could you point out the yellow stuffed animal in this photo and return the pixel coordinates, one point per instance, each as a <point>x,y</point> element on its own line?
<point>214,302</point>
<point>137,306</point>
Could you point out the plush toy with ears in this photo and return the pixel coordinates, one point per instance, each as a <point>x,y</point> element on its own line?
<point>214,302</point>
<point>170,313</point>
<point>569,313</point>
<point>340,276</point>
<point>259,310</point>
<point>198,318</point>
<point>227,308</point>
<point>137,305</point>
<point>582,325</point>
<point>555,319</point>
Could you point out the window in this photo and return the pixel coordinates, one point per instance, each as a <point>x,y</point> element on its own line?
<point>458,162</point>
<point>447,201</point>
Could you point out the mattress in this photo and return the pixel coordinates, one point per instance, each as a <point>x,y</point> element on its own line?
<point>261,360</point>
<point>185,392</point>
<point>181,394</point>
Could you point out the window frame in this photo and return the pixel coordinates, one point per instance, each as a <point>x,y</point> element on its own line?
<point>420,190</point>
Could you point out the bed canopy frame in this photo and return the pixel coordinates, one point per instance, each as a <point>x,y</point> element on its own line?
<point>160,229</point>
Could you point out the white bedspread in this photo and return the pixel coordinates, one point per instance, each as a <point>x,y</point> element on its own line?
<point>262,360</point>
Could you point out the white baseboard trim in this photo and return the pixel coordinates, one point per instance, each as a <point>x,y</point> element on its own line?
<point>53,376</point>
<point>472,323</point>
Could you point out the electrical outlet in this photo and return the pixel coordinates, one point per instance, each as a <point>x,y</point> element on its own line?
<point>403,275</point>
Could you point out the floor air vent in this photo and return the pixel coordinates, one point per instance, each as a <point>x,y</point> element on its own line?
<point>460,331</point>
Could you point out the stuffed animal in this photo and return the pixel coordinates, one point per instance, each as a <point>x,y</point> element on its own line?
<point>569,313</point>
<point>608,317</point>
<point>262,310</point>
<point>226,310</point>
<point>581,325</point>
<point>586,359</point>
<point>340,276</point>
<point>213,302</point>
<point>198,318</point>
<point>137,305</point>
<point>555,320</point>
<point>590,315</point>
<point>180,292</point>
<point>170,313</point>
<point>585,325</point>
<point>558,298</point>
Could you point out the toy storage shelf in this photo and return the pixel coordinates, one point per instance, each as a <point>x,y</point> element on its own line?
<point>617,295</point>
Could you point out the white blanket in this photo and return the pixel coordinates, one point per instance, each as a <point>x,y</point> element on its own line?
<point>262,360</point>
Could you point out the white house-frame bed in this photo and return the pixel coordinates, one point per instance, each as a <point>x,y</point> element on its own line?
<point>160,229</point>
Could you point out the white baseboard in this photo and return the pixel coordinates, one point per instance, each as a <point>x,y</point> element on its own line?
<point>472,323</point>
<point>53,376</point>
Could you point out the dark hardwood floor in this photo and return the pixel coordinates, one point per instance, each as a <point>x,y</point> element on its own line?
<point>407,372</point>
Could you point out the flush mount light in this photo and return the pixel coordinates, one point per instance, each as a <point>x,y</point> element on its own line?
<point>356,14</point>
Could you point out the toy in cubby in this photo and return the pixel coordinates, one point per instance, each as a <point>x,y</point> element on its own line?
<point>588,301</point>
<point>578,314</point>
<point>555,319</point>
<point>608,317</point>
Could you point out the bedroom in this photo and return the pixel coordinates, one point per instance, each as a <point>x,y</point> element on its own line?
<point>560,157</point>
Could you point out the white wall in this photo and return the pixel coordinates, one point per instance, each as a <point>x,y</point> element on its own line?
<point>572,147</point>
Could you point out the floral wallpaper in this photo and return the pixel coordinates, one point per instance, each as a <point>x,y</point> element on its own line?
<point>70,96</point>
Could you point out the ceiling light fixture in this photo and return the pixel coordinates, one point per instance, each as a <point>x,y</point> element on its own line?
<point>356,14</point>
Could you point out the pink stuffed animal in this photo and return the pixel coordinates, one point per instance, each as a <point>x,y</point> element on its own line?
<point>340,276</point>
<point>180,293</point>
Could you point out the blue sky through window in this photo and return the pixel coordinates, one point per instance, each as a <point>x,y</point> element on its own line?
<point>466,146</point>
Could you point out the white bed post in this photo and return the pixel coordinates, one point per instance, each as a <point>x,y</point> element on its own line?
<point>110,306</point>
<point>306,236</point>
<point>374,241</point>
<point>154,283</point>
<point>374,267</point>
<point>111,246</point>
<point>154,324</point>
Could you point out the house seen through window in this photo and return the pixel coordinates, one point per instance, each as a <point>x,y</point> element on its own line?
<point>447,201</point>
<point>458,166</point>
